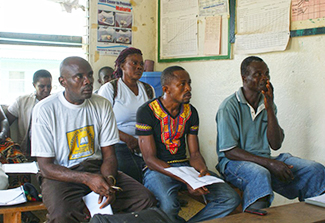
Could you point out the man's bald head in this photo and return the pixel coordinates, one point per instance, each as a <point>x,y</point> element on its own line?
<point>76,76</point>
<point>69,62</point>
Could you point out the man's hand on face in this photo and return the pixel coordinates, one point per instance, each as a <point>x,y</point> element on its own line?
<point>281,170</point>
<point>268,95</point>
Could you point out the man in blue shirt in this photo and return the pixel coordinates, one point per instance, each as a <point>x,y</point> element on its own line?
<point>247,128</point>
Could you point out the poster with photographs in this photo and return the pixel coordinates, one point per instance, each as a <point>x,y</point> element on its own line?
<point>114,32</point>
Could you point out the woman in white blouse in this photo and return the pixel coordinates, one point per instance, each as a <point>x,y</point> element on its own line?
<point>127,94</point>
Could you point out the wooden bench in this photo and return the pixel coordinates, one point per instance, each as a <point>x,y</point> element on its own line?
<point>12,214</point>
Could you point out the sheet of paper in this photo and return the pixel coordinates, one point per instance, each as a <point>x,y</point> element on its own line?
<point>305,10</point>
<point>260,43</point>
<point>213,7</point>
<point>179,7</point>
<point>20,167</point>
<point>320,198</point>
<point>12,196</point>
<point>191,176</point>
<point>212,35</point>
<point>179,28</point>
<point>258,22</point>
<point>91,201</point>
<point>307,14</point>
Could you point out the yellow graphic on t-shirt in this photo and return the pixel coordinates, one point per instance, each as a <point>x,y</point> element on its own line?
<point>81,142</point>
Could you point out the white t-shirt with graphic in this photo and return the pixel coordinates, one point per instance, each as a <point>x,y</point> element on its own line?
<point>72,133</point>
<point>126,104</point>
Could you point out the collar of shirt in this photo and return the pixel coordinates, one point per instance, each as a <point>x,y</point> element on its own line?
<point>241,99</point>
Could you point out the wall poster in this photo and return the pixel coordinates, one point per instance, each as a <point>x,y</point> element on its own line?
<point>114,30</point>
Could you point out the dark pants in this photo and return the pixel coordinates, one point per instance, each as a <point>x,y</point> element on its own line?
<point>128,162</point>
<point>64,200</point>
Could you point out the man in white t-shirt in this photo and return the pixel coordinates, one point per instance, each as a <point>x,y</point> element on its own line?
<point>22,108</point>
<point>73,137</point>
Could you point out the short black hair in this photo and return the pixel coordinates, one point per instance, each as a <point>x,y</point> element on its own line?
<point>168,74</point>
<point>246,62</point>
<point>39,74</point>
<point>105,68</point>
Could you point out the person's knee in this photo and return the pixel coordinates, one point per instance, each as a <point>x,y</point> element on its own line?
<point>230,198</point>
<point>169,205</point>
<point>233,200</point>
<point>317,169</point>
<point>149,199</point>
<point>65,213</point>
<point>258,170</point>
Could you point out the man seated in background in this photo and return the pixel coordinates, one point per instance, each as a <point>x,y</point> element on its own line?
<point>165,125</point>
<point>4,126</point>
<point>248,129</point>
<point>4,130</point>
<point>73,137</point>
<point>10,152</point>
<point>23,106</point>
<point>105,74</point>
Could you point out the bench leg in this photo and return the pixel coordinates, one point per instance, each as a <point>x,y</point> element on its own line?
<point>12,217</point>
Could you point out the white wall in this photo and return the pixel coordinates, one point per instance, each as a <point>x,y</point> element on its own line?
<point>297,75</point>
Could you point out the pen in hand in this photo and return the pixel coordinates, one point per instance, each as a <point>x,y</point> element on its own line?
<point>116,188</point>
<point>204,199</point>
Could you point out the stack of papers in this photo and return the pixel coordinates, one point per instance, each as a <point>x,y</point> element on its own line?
<point>191,176</point>
<point>12,196</point>
<point>318,200</point>
<point>20,167</point>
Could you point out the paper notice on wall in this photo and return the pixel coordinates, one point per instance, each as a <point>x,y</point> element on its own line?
<point>179,28</point>
<point>262,26</point>
<point>305,10</point>
<point>212,35</point>
<point>261,43</point>
<point>307,14</point>
<point>114,29</point>
<point>213,7</point>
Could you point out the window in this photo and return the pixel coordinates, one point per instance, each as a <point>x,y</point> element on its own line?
<point>38,34</point>
<point>16,81</point>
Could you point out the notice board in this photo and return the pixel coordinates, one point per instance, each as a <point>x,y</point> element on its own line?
<point>195,29</point>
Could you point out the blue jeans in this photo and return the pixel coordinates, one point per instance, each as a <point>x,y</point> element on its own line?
<point>257,182</point>
<point>222,199</point>
<point>129,163</point>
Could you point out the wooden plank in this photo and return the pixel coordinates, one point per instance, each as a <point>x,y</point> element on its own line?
<point>296,212</point>
<point>12,217</point>
<point>29,206</point>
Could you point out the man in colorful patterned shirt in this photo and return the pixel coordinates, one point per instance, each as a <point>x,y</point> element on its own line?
<point>164,126</point>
